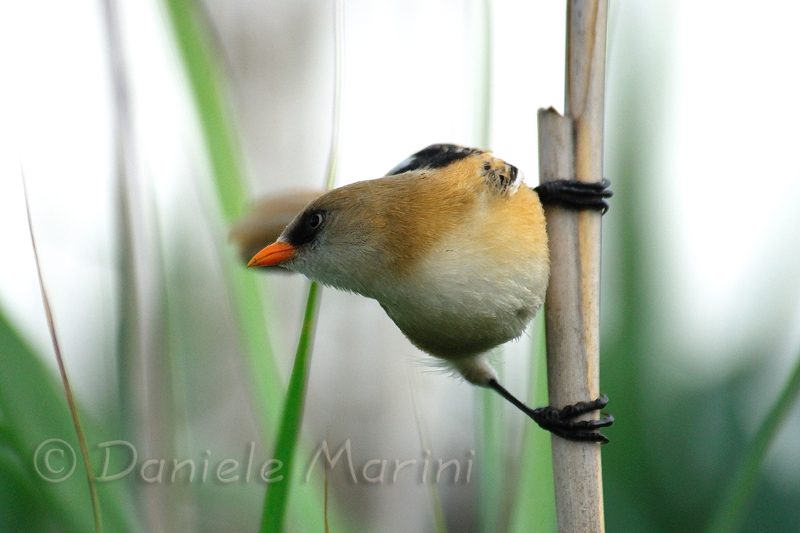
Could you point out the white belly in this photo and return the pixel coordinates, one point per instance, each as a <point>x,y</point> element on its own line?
<point>458,308</point>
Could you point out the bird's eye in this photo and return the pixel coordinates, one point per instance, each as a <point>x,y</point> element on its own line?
<point>315,219</point>
<point>306,228</point>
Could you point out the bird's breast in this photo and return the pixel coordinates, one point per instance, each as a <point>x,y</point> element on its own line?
<point>478,288</point>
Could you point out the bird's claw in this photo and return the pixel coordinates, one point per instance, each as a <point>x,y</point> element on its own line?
<point>560,421</point>
<point>575,194</point>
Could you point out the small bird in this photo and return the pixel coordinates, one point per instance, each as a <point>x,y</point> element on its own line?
<point>453,246</point>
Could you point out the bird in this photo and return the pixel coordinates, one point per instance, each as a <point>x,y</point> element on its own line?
<point>453,245</point>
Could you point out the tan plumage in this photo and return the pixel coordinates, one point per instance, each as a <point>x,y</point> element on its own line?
<point>455,251</point>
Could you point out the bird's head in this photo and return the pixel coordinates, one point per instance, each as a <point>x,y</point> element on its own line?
<point>339,239</point>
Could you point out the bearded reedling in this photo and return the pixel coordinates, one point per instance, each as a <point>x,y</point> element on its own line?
<point>453,246</point>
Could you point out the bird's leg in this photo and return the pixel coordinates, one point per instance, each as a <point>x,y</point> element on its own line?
<point>560,421</point>
<point>575,194</point>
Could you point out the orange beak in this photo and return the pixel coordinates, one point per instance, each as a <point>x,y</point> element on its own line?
<point>273,254</point>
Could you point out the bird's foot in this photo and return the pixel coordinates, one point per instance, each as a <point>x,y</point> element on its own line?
<point>561,421</point>
<point>575,194</point>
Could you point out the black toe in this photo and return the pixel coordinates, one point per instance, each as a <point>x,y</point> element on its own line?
<point>560,421</point>
<point>575,194</point>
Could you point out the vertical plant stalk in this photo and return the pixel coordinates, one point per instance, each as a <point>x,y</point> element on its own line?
<point>571,147</point>
<point>277,497</point>
<point>73,408</point>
